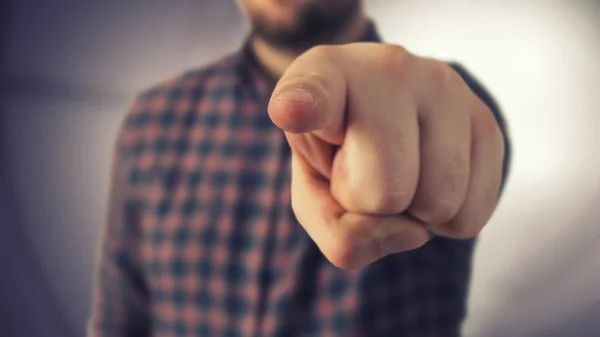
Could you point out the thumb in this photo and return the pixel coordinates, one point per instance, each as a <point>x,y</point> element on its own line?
<point>311,95</point>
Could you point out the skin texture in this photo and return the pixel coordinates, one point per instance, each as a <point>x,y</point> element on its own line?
<point>386,146</point>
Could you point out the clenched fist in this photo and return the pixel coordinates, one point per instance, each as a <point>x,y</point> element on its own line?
<point>387,147</point>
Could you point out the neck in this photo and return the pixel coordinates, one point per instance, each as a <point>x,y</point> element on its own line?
<point>275,60</point>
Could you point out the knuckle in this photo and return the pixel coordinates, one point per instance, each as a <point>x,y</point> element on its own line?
<point>440,197</point>
<point>394,60</point>
<point>453,177</point>
<point>437,212</point>
<point>313,82</point>
<point>389,202</point>
<point>322,51</point>
<point>381,197</point>
<point>442,79</point>
<point>451,173</point>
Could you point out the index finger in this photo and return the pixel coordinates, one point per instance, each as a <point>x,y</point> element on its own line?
<point>311,95</point>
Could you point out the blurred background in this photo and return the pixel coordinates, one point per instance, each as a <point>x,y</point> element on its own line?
<point>69,69</point>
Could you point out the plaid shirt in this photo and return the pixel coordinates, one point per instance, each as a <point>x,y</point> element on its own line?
<point>201,239</point>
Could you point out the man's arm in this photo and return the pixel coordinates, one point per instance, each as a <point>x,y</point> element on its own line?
<point>120,298</point>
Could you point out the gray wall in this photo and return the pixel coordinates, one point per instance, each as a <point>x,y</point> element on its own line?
<point>70,69</point>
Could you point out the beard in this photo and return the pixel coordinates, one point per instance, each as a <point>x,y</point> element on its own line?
<point>316,23</point>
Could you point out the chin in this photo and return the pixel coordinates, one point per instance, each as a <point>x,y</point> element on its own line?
<point>279,19</point>
<point>291,2</point>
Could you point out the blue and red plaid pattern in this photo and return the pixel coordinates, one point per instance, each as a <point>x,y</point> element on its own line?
<point>201,239</point>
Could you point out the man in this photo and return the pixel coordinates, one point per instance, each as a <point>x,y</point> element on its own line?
<point>357,220</point>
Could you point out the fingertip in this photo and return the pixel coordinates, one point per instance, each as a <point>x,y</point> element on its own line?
<point>294,110</point>
<point>301,96</point>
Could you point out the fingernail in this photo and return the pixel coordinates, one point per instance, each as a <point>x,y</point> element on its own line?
<point>296,95</point>
<point>401,243</point>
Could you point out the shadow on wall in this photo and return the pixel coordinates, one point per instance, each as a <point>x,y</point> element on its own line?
<point>26,307</point>
<point>69,72</point>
